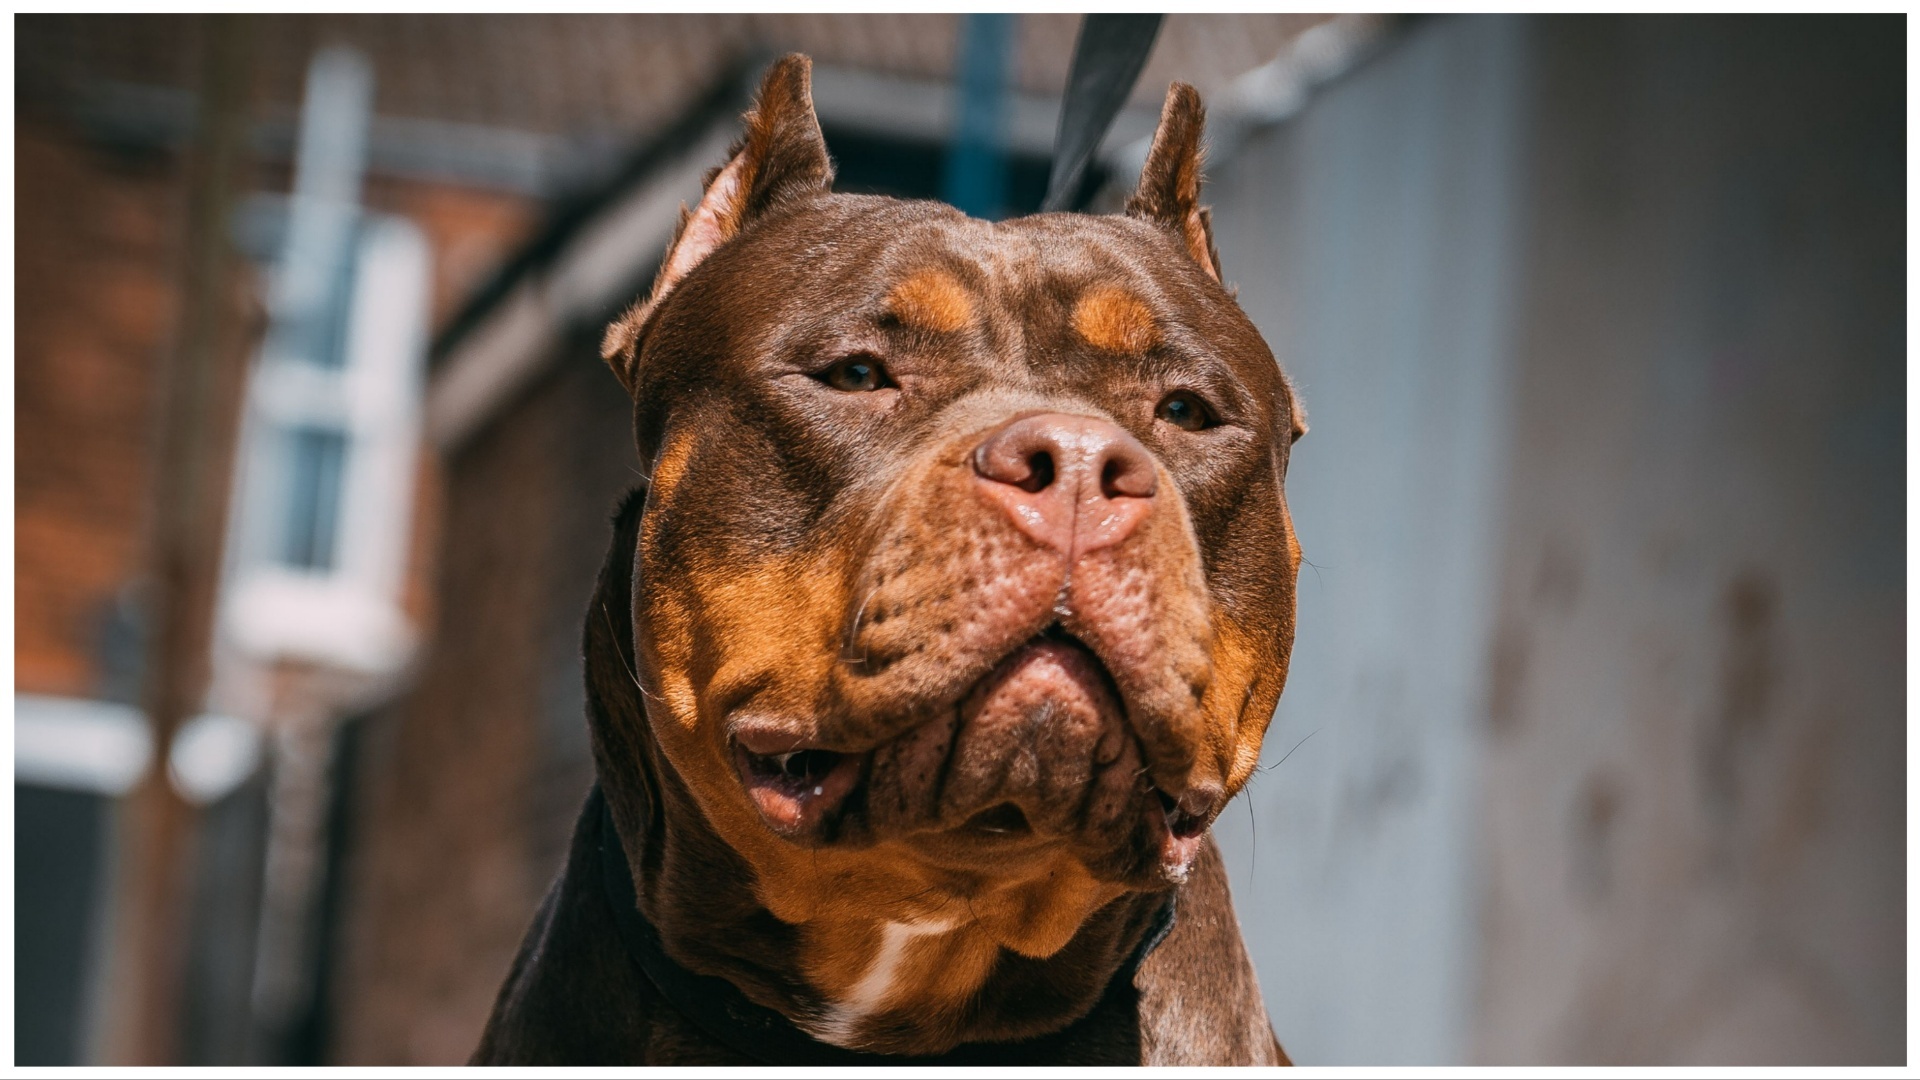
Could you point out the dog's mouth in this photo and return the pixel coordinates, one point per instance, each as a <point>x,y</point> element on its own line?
<point>1050,697</point>
<point>799,790</point>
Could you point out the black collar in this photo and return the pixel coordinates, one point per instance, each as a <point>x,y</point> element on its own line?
<point>719,1009</point>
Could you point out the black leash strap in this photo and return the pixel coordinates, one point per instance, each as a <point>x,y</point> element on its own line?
<point>720,1010</point>
<point>1107,60</point>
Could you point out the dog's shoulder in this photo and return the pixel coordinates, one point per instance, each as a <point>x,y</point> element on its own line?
<point>1200,1002</point>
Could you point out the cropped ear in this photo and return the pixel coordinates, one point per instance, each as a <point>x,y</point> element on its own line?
<point>1169,191</point>
<point>781,156</point>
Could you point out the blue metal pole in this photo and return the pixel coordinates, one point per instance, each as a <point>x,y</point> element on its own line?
<point>975,177</point>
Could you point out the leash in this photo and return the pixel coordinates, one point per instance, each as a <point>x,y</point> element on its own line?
<point>1107,58</point>
<point>724,1014</point>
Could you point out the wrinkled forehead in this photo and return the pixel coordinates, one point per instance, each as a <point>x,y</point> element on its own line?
<point>930,257</point>
<point>1116,284</point>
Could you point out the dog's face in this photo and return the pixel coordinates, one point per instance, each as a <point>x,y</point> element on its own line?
<point>965,581</point>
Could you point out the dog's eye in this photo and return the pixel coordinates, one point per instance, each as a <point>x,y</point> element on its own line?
<point>856,374</point>
<point>1184,410</point>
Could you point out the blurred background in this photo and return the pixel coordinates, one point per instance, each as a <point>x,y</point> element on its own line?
<point>1593,749</point>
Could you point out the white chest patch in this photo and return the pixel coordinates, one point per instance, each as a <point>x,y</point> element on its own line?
<point>876,982</point>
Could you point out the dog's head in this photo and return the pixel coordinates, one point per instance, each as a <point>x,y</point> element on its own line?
<point>965,574</point>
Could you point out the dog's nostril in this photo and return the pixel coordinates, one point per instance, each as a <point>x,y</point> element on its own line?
<point>1006,461</point>
<point>1039,472</point>
<point>1127,476</point>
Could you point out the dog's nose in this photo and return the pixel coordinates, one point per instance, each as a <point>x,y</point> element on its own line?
<point>1074,483</point>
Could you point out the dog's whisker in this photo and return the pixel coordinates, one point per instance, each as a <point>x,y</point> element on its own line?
<point>853,632</point>
<point>1253,844</point>
<point>615,631</point>
<point>1316,567</point>
<point>1288,754</point>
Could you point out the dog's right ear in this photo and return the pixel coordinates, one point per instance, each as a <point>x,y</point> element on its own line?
<point>781,156</point>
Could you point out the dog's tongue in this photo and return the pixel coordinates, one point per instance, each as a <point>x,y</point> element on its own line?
<point>1034,732</point>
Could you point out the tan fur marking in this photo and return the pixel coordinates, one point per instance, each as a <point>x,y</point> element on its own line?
<point>1240,690</point>
<point>1299,412</point>
<point>1115,320</point>
<point>670,465</point>
<point>931,300</point>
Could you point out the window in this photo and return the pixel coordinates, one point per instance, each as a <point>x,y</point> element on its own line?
<point>315,460</point>
<point>317,551</point>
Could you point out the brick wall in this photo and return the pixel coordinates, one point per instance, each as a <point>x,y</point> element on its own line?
<point>95,258</point>
<point>473,779</point>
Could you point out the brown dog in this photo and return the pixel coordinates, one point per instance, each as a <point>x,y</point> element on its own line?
<point>954,609</point>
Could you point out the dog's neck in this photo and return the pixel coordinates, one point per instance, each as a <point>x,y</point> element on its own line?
<point>916,985</point>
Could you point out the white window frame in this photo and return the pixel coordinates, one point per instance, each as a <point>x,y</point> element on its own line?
<point>349,615</point>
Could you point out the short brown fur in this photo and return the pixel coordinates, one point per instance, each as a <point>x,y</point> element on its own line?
<point>1169,191</point>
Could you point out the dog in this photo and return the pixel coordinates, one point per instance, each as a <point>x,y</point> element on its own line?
<point>951,613</point>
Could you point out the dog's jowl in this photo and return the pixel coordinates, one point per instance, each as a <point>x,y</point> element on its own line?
<point>950,615</point>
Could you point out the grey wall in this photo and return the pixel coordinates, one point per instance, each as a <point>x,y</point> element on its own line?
<point>1599,324</point>
<point>1693,814</point>
<point>1370,241</point>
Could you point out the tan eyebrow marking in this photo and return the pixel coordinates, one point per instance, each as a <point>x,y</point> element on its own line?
<point>1115,320</point>
<point>670,465</point>
<point>931,300</point>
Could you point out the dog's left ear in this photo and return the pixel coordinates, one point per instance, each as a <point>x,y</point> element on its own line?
<point>1169,191</point>
<point>781,157</point>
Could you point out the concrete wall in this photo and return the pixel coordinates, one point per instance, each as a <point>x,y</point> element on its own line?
<point>1600,326</point>
<point>1370,241</point>
<point>1693,813</point>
